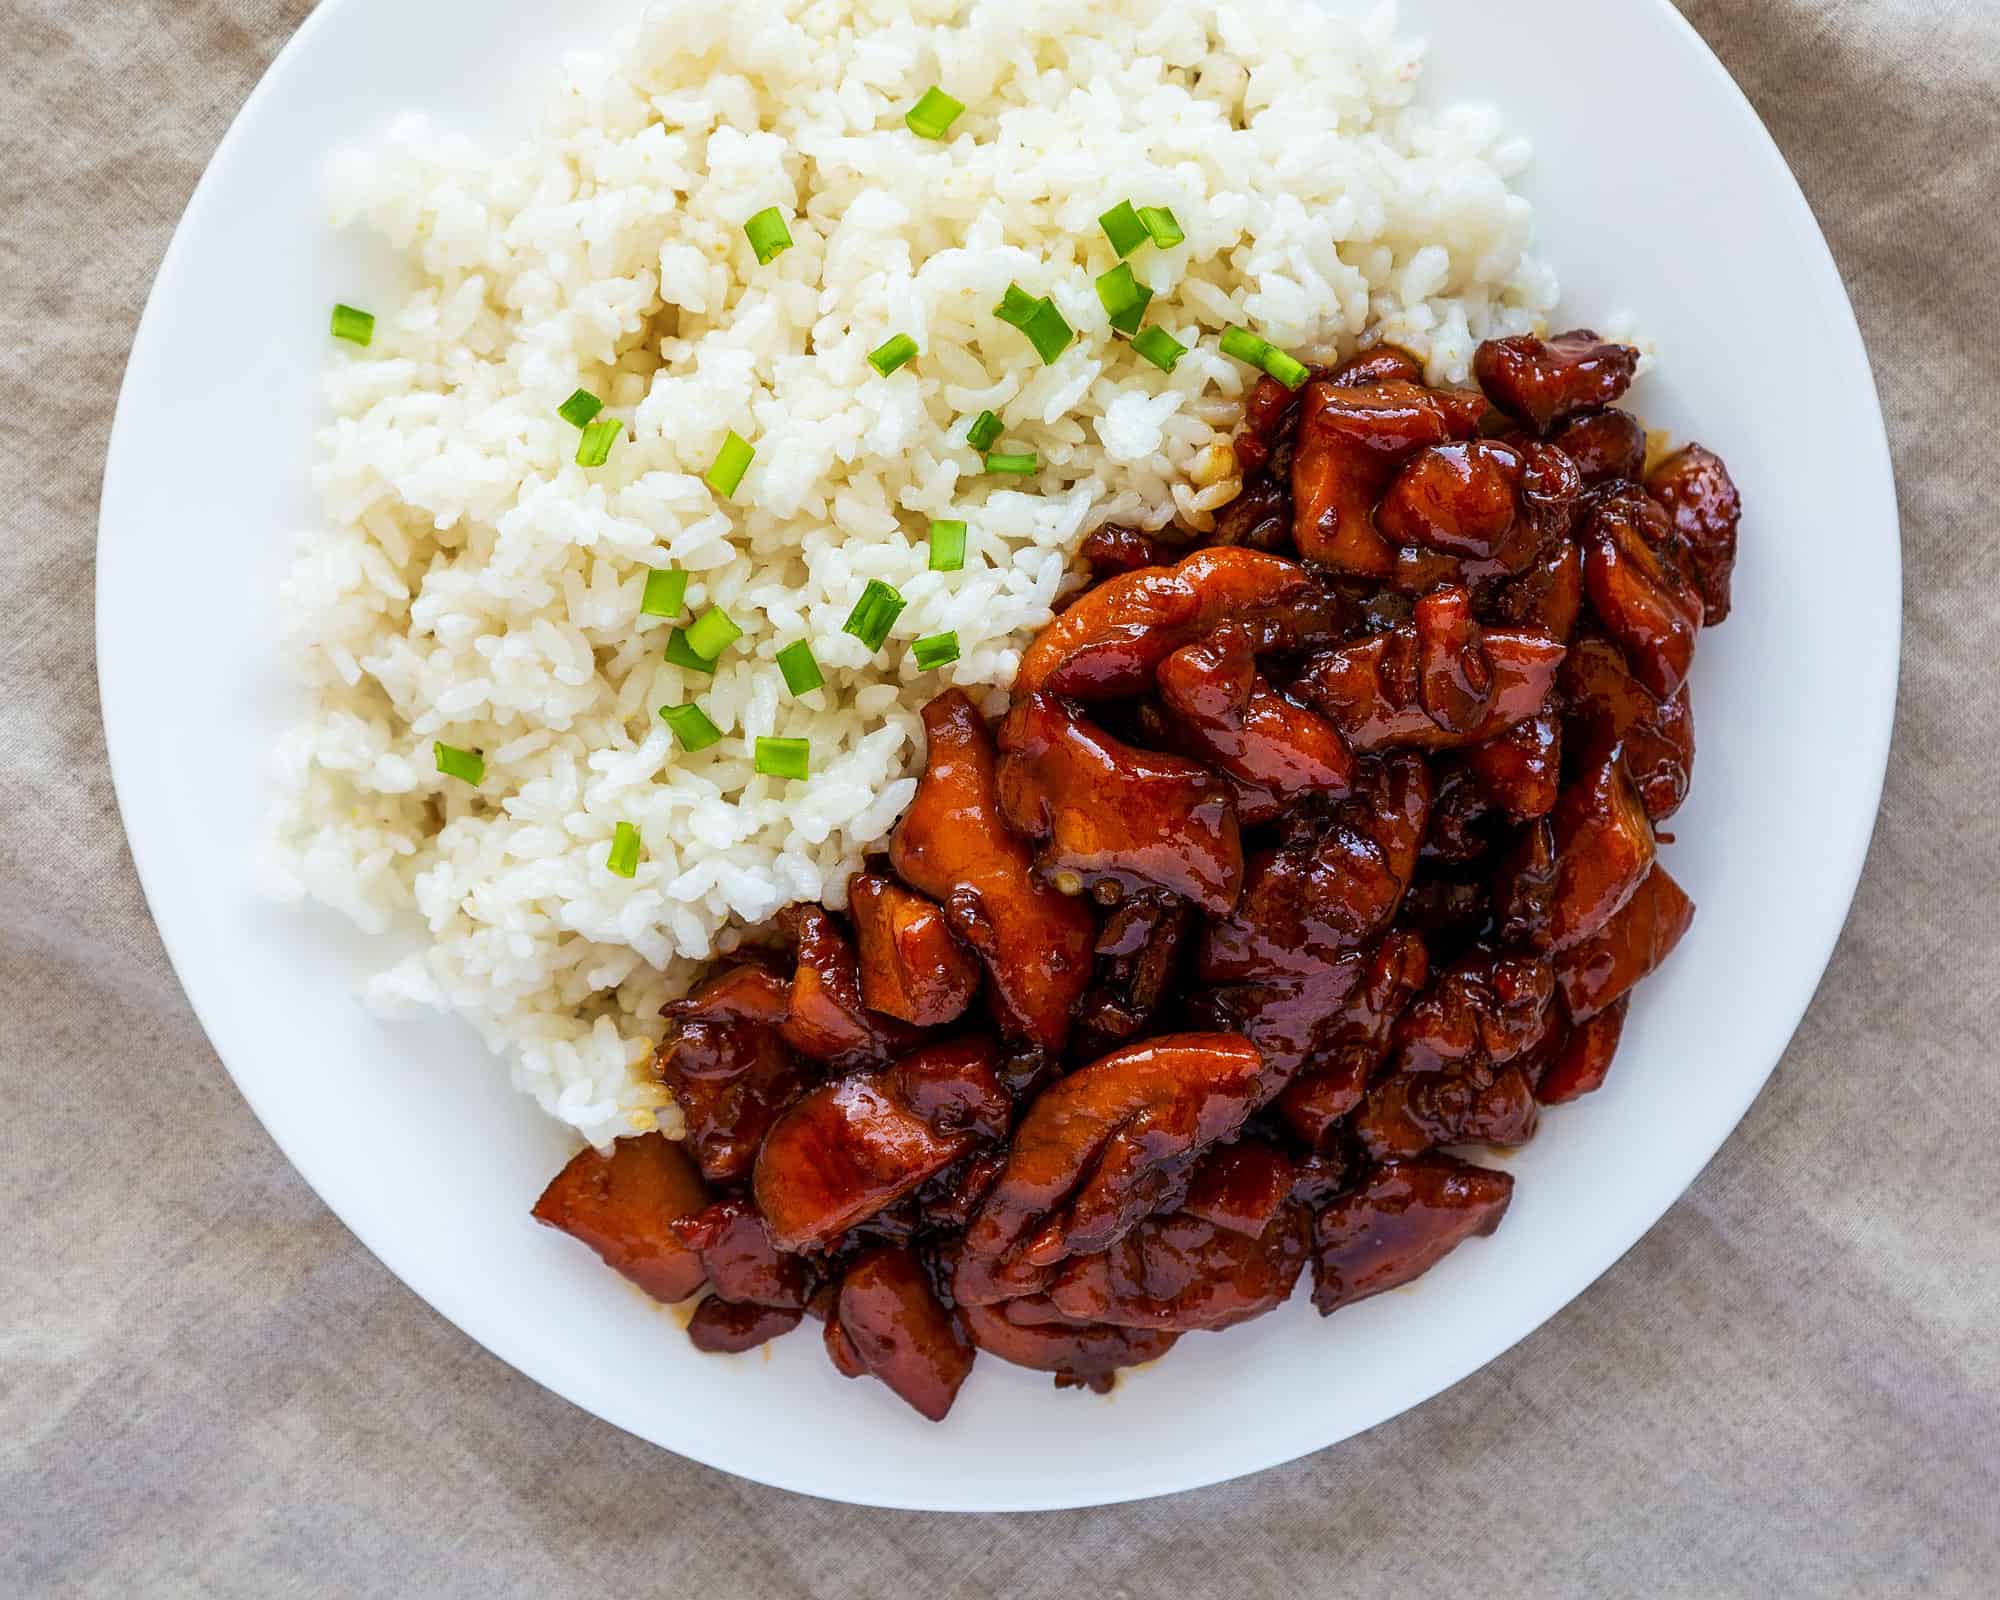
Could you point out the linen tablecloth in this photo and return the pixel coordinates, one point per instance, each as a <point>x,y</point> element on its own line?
<point>1790,1387</point>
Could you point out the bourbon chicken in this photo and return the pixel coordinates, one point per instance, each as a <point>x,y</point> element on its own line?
<point>1310,858</point>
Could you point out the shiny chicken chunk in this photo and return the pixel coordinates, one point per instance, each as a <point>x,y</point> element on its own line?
<point>953,844</point>
<point>912,967</point>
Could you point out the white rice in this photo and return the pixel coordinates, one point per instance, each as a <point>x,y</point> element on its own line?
<point>470,583</point>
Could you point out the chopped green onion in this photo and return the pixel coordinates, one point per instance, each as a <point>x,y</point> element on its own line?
<point>783,758</point>
<point>939,650</point>
<point>1018,466</point>
<point>356,327</point>
<point>1125,298</point>
<point>1045,326</point>
<point>802,674</point>
<point>711,633</point>
<point>731,462</point>
<point>1123,228</point>
<point>1291,373</point>
<point>679,655</point>
<point>947,546</point>
<point>1017,306</point>
<point>579,408</point>
<point>893,353</point>
<point>769,237</point>
<point>933,114</point>
<point>984,432</point>
<point>1159,347</point>
<point>874,614</point>
<point>594,448</point>
<point>690,725</point>
<point>1160,223</point>
<point>1245,346</point>
<point>1263,355</point>
<point>666,592</point>
<point>623,858</point>
<point>468,766</point>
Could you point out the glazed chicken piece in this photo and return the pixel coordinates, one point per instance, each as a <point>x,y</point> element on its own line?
<point>1609,706</point>
<point>1113,549</point>
<point>1524,889</point>
<point>759,1293</point>
<point>1633,576</point>
<point>912,968</point>
<point>1389,690</point>
<point>1465,513</point>
<point>954,846</point>
<point>1579,1065</point>
<point>1354,1042</point>
<point>731,1079</point>
<point>1229,716</point>
<point>1602,969</point>
<point>1109,643</point>
<point>1411,1112</point>
<point>1604,849</point>
<point>1352,441</point>
<point>1701,500</point>
<point>1521,771</point>
<point>623,1203</point>
<point>1478,1014</point>
<point>1138,949</point>
<point>1086,1356</point>
<point>1547,597</point>
<point>886,1323</point>
<point>1305,904</point>
<point>859,1144</point>
<point>1404,1218</point>
<point>828,1021</point>
<point>1185,1274</point>
<point>1607,446</point>
<point>1098,1150</point>
<point>1109,812</point>
<point>1241,1187</point>
<point>1540,383</point>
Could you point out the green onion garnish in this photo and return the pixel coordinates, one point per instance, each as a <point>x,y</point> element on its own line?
<point>874,614</point>
<point>1123,228</point>
<point>939,650</point>
<point>1018,466</point>
<point>356,327</point>
<point>947,546</point>
<point>1263,355</point>
<point>933,114</point>
<point>468,766</point>
<point>769,237</point>
<point>579,408</point>
<point>1016,306</point>
<point>893,353</point>
<point>594,448</point>
<point>731,462</point>
<point>802,674</point>
<point>1159,347</point>
<point>1291,373</point>
<point>1045,326</point>
<point>711,633</point>
<point>679,655</point>
<point>691,727</point>
<point>984,432</point>
<point>1160,223</point>
<point>783,758</point>
<point>623,858</point>
<point>666,592</point>
<point>1124,297</point>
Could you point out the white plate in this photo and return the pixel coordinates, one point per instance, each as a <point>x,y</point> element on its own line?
<point>1680,210</point>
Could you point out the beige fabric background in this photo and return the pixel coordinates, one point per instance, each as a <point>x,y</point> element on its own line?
<point>1790,1387</point>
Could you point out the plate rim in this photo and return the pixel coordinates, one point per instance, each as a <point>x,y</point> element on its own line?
<point>1847,345</point>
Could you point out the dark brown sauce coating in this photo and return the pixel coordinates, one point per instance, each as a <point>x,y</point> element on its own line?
<point>1303,857</point>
